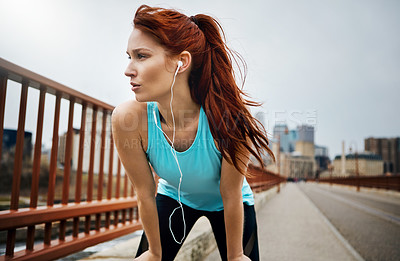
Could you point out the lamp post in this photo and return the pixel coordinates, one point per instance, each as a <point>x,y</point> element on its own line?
<point>330,168</point>
<point>356,164</point>
<point>279,161</point>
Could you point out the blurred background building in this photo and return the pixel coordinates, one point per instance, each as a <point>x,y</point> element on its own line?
<point>362,164</point>
<point>388,149</point>
<point>9,142</point>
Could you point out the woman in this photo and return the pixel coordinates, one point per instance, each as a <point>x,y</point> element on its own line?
<point>189,124</point>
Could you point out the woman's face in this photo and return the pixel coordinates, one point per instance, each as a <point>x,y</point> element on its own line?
<point>149,72</point>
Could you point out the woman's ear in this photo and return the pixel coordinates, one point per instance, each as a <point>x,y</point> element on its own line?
<point>186,58</point>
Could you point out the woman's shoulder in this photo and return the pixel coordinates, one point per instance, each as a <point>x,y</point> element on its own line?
<point>130,116</point>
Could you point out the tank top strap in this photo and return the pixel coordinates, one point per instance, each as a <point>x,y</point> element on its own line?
<point>151,131</point>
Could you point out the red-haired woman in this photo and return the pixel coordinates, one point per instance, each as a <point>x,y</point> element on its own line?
<point>191,125</point>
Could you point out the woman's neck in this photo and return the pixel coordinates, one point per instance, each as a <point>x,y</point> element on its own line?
<point>185,110</point>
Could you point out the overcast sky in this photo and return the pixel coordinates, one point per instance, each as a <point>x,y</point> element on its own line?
<point>332,64</point>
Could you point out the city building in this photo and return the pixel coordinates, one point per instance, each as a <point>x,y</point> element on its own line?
<point>306,133</point>
<point>305,148</point>
<point>297,156</point>
<point>362,164</point>
<point>321,158</point>
<point>293,138</point>
<point>388,149</point>
<point>281,133</point>
<point>321,151</point>
<point>298,166</point>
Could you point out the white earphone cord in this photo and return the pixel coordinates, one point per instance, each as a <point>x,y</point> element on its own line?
<point>173,151</point>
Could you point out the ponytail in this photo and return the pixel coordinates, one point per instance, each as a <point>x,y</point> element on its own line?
<point>212,80</point>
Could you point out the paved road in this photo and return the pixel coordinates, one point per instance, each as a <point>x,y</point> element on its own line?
<point>369,221</point>
<point>291,228</point>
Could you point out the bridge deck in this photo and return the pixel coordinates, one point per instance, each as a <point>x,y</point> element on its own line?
<point>290,228</point>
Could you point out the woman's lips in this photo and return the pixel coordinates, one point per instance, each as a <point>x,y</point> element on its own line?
<point>135,87</point>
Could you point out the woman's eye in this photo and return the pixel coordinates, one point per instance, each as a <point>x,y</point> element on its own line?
<point>141,56</point>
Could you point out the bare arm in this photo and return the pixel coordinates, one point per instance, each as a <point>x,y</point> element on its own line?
<point>126,133</point>
<point>231,192</point>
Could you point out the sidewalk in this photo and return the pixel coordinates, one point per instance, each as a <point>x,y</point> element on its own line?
<point>292,228</point>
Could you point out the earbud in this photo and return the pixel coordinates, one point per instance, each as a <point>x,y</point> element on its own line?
<point>180,64</point>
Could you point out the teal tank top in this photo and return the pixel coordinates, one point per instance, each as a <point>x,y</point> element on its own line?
<point>200,165</point>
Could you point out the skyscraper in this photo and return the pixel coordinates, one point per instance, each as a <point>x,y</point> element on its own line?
<point>388,149</point>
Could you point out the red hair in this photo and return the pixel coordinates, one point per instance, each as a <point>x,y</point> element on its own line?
<point>212,79</point>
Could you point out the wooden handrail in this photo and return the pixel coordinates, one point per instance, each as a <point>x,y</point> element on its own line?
<point>382,182</point>
<point>23,217</point>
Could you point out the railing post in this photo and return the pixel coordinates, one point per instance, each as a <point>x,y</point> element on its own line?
<point>110,178</point>
<point>53,167</point>
<point>110,168</point>
<point>78,182</point>
<point>92,151</point>
<point>117,190</point>
<point>101,167</point>
<point>36,166</point>
<point>102,150</point>
<point>68,153</point>
<point>3,90</point>
<point>54,151</point>
<point>91,166</point>
<point>67,165</point>
<point>19,149</point>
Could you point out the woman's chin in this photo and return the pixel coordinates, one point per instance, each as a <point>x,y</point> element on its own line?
<point>141,98</point>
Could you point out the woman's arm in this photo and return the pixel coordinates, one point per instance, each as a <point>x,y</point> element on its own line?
<point>126,121</point>
<point>231,192</point>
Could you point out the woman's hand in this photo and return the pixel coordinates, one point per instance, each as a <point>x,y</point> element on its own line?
<point>150,256</point>
<point>240,258</point>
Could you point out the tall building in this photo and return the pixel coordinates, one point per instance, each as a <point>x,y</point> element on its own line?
<point>388,149</point>
<point>293,138</point>
<point>305,142</point>
<point>306,133</point>
<point>296,157</point>
<point>281,132</point>
<point>321,157</point>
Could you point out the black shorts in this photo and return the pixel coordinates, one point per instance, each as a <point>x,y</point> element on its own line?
<point>165,206</point>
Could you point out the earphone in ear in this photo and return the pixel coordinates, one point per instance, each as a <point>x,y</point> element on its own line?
<point>180,64</point>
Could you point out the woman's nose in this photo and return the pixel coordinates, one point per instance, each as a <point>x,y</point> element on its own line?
<point>130,71</point>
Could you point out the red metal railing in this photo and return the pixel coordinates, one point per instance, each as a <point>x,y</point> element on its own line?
<point>263,179</point>
<point>72,211</point>
<point>381,182</point>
